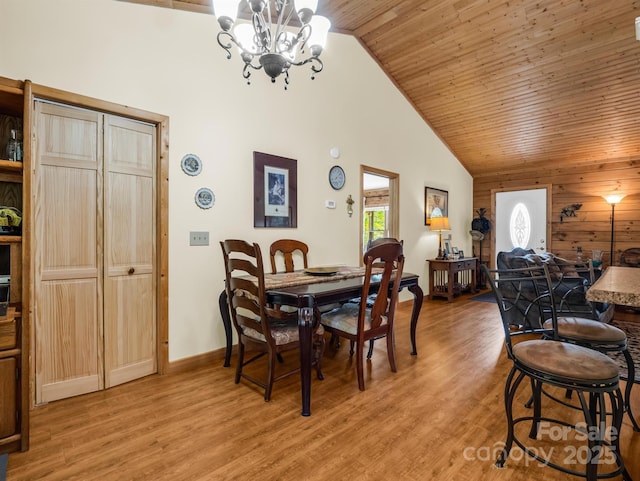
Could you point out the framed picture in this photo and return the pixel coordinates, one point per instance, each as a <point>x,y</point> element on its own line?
<point>455,251</point>
<point>436,204</point>
<point>275,188</point>
<point>461,254</point>
<point>447,249</point>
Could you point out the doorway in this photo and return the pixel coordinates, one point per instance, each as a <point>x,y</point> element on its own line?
<point>521,219</point>
<point>379,194</point>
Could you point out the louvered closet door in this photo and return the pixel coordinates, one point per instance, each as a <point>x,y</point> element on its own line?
<point>68,252</point>
<point>129,284</point>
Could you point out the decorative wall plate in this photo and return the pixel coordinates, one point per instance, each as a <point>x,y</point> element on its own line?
<point>191,164</point>
<point>205,198</point>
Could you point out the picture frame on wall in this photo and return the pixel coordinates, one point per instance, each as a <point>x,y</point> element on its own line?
<point>275,188</point>
<point>436,204</point>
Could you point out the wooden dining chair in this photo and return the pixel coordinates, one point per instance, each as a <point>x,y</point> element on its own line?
<point>287,248</point>
<point>370,299</point>
<point>260,327</point>
<point>357,321</point>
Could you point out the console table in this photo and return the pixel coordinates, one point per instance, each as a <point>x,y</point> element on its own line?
<point>448,278</point>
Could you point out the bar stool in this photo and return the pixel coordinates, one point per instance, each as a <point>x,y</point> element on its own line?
<point>592,375</point>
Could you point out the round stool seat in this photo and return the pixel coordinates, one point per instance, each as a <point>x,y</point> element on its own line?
<point>566,360</point>
<point>582,329</point>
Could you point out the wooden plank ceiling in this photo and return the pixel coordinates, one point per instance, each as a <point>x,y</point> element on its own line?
<point>526,83</point>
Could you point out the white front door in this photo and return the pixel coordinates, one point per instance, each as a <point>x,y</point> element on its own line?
<point>521,220</point>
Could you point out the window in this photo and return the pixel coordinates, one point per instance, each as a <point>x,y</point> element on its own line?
<point>375,225</point>
<point>520,225</point>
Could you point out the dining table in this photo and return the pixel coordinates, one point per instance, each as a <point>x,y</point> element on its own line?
<point>617,285</point>
<point>308,290</point>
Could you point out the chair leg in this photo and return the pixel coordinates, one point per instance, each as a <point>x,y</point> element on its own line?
<point>352,343</point>
<point>360,363</point>
<point>631,373</point>
<point>370,353</point>
<point>270,374</point>
<point>319,347</point>
<point>391,352</point>
<point>510,389</point>
<point>240,361</point>
<point>537,408</point>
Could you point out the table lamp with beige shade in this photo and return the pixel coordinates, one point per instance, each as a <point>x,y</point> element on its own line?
<point>439,224</point>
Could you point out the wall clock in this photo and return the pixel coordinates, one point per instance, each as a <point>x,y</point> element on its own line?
<point>337,177</point>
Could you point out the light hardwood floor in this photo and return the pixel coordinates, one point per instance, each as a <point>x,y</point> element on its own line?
<point>440,417</point>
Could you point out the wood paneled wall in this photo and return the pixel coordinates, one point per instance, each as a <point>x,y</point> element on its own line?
<point>584,184</point>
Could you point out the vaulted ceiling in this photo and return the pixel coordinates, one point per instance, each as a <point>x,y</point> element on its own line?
<point>528,83</point>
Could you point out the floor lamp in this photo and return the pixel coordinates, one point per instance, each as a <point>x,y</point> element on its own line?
<point>612,199</point>
<point>439,224</point>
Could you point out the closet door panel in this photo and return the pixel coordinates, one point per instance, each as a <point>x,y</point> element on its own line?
<point>130,302</point>
<point>70,361</point>
<point>68,252</point>
<point>68,212</point>
<point>130,351</point>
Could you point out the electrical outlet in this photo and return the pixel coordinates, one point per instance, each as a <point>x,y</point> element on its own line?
<point>198,238</point>
<point>330,204</point>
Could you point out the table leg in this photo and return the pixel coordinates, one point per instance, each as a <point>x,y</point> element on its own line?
<point>305,333</point>
<point>226,321</point>
<point>474,279</point>
<point>418,296</point>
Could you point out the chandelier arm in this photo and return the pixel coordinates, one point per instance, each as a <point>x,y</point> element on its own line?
<point>310,60</point>
<point>246,73</point>
<point>303,35</point>
<point>313,67</point>
<point>247,56</point>
<point>229,45</point>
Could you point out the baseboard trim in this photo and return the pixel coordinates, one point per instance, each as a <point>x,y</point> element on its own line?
<point>194,362</point>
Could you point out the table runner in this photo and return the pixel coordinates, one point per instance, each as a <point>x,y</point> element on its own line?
<point>299,278</point>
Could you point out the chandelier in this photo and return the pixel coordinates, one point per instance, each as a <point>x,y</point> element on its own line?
<point>269,41</point>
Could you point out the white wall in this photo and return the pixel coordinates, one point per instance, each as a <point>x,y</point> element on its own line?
<point>168,62</point>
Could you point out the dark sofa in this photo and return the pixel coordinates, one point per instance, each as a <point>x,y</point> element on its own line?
<point>570,279</point>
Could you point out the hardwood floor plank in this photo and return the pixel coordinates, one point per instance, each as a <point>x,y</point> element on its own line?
<point>440,417</point>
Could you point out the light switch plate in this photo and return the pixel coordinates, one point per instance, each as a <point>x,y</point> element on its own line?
<point>198,238</point>
<point>330,204</point>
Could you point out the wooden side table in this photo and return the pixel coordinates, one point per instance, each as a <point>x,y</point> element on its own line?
<point>449,278</point>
